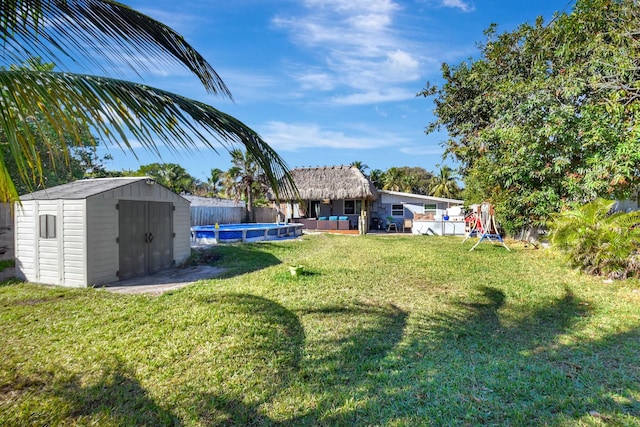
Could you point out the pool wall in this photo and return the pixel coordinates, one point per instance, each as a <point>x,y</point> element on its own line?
<point>232,233</point>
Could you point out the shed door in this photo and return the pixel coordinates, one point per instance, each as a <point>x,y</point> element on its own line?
<point>146,237</point>
<point>160,237</point>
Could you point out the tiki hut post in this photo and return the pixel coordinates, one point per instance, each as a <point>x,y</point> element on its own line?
<point>362,223</point>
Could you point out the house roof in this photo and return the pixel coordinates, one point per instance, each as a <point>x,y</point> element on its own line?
<point>421,197</point>
<point>333,182</point>
<point>82,189</point>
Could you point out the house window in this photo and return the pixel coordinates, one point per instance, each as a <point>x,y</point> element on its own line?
<point>430,208</point>
<point>47,226</point>
<point>352,207</point>
<point>397,210</point>
<point>314,209</point>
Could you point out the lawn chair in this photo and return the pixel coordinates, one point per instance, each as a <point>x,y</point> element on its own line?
<point>391,224</point>
<point>407,224</point>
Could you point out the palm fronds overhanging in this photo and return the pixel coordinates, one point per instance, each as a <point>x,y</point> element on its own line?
<point>117,110</point>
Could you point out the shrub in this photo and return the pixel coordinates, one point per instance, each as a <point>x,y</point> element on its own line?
<point>598,240</point>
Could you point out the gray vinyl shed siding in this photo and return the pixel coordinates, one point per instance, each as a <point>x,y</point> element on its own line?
<point>102,248</point>
<point>85,251</point>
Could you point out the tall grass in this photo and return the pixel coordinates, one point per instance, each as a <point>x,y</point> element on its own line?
<point>402,330</point>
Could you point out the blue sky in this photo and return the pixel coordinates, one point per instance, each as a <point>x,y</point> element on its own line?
<point>328,82</point>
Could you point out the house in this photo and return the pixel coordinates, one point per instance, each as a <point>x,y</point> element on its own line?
<point>425,214</point>
<point>341,197</point>
<point>98,231</point>
<point>331,198</point>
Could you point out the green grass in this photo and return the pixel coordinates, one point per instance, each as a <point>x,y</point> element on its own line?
<point>399,331</point>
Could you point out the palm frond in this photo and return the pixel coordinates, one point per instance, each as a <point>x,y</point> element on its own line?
<point>100,32</point>
<point>119,111</point>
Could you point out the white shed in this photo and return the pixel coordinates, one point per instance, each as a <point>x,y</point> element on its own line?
<point>98,231</point>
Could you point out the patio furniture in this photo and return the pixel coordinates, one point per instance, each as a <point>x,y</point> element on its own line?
<point>391,224</point>
<point>407,224</point>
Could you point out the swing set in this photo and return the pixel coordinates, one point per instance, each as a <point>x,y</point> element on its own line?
<point>482,222</point>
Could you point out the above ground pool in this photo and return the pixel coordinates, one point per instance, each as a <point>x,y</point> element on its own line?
<point>251,232</point>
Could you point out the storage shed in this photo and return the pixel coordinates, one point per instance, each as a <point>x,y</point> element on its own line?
<point>98,231</point>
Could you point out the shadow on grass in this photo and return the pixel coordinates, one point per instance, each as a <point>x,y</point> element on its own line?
<point>242,258</point>
<point>346,363</point>
<point>115,398</point>
<point>468,367</point>
<point>274,352</point>
<point>471,368</point>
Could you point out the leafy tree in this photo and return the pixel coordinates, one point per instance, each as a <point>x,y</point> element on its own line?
<point>245,180</point>
<point>171,175</point>
<point>92,164</point>
<point>445,184</point>
<point>418,179</point>
<point>65,31</point>
<point>597,240</point>
<point>548,114</point>
<point>361,166</point>
<point>215,181</point>
<point>377,178</point>
<point>58,165</point>
<point>395,179</point>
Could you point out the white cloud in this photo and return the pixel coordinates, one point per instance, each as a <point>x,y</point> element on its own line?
<point>316,81</point>
<point>358,47</point>
<point>297,136</point>
<point>420,150</point>
<point>459,4</point>
<point>374,97</point>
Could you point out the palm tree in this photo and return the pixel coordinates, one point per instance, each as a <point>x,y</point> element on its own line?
<point>445,183</point>
<point>395,179</point>
<point>214,181</point>
<point>245,179</point>
<point>171,175</point>
<point>376,177</point>
<point>361,166</point>
<point>598,240</point>
<point>119,111</point>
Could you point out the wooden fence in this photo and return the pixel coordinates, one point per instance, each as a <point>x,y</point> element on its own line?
<point>209,215</point>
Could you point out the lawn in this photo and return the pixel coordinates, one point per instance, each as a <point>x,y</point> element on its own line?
<point>379,330</point>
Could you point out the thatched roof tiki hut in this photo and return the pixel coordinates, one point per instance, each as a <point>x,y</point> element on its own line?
<point>333,197</point>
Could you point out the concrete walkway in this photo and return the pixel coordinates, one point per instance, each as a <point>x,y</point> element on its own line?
<point>163,281</point>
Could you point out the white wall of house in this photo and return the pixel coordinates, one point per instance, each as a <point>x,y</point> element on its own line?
<point>412,204</point>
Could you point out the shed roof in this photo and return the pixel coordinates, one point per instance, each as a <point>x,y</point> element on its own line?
<point>333,182</point>
<point>82,189</point>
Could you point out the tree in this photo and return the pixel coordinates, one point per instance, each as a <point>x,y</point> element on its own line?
<point>376,176</point>
<point>597,240</point>
<point>115,110</point>
<point>215,181</point>
<point>171,175</point>
<point>394,179</point>
<point>418,180</point>
<point>361,166</point>
<point>58,165</point>
<point>445,184</point>
<point>245,180</point>
<point>548,114</point>
<point>406,179</point>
